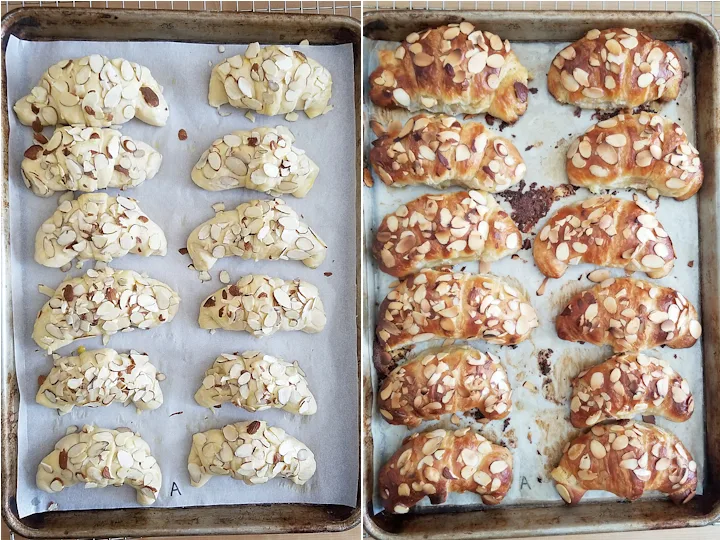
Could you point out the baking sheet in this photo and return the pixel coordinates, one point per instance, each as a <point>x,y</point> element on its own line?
<point>538,427</point>
<point>181,349</point>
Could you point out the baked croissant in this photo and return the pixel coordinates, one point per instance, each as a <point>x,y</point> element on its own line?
<point>605,231</point>
<point>101,457</point>
<point>258,229</point>
<point>256,381</point>
<point>439,151</point>
<point>452,69</point>
<point>271,80</point>
<point>443,381</point>
<point>639,151</point>
<point>93,91</point>
<point>615,68</point>
<point>435,463</point>
<point>87,159</point>
<point>97,226</point>
<point>253,452</point>
<point>261,306</point>
<point>102,303</point>
<point>262,159</point>
<point>630,315</point>
<point>443,304</point>
<point>451,228</point>
<point>626,459</point>
<point>98,378</point>
<point>627,385</point>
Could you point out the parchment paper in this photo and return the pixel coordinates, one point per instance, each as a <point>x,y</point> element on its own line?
<point>181,349</point>
<point>539,425</point>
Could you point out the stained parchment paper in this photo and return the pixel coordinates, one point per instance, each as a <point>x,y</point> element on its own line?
<point>539,426</point>
<point>181,349</point>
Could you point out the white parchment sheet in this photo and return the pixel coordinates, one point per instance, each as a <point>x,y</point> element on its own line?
<point>181,349</point>
<point>539,425</point>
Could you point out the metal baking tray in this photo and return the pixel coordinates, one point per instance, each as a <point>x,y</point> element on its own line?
<point>47,24</point>
<point>507,521</point>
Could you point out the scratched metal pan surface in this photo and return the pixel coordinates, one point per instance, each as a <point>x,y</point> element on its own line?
<point>451,521</point>
<point>49,24</point>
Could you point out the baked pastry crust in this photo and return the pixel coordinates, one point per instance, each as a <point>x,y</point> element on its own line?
<point>262,159</point>
<point>443,304</point>
<point>257,230</point>
<point>604,231</point>
<point>100,458</point>
<point>626,385</point>
<point>253,452</point>
<point>271,80</point>
<point>452,69</point>
<point>256,381</point>
<point>437,462</point>
<point>626,458</point>
<point>93,91</point>
<point>99,378</point>
<point>443,381</point>
<point>102,303</point>
<point>437,230</point>
<point>440,151</point>
<point>638,151</point>
<point>97,226</point>
<point>261,306</point>
<point>615,68</point>
<point>87,159</point>
<point>630,315</point>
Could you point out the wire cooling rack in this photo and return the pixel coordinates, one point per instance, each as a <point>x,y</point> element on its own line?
<point>708,9</point>
<point>346,7</point>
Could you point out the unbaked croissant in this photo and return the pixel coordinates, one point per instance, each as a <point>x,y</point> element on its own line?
<point>452,69</point>
<point>443,381</point>
<point>605,231</point>
<point>639,151</point>
<point>271,80</point>
<point>443,304</point>
<point>100,458</point>
<point>451,228</point>
<point>615,68</point>
<point>630,315</point>
<point>627,385</point>
<point>435,463</point>
<point>626,459</point>
<point>439,151</point>
<point>93,91</point>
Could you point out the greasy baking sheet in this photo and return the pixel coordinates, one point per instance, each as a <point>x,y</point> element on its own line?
<point>181,349</point>
<point>538,427</point>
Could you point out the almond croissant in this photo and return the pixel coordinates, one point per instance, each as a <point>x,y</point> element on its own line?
<point>452,69</point>
<point>444,229</point>
<point>627,459</point>
<point>630,315</point>
<point>641,151</point>
<point>607,232</point>
<point>435,463</point>
<point>626,385</point>
<point>439,151</point>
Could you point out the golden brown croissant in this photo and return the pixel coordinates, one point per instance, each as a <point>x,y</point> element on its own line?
<point>439,151</point>
<point>451,228</point>
<point>626,385</point>
<point>443,304</point>
<point>627,459</point>
<point>615,68</point>
<point>639,151</point>
<point>630,315</point>
<point>442,381</point>
<point>452,69</point>
<point>435,463</point>
<point>607,232</point>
